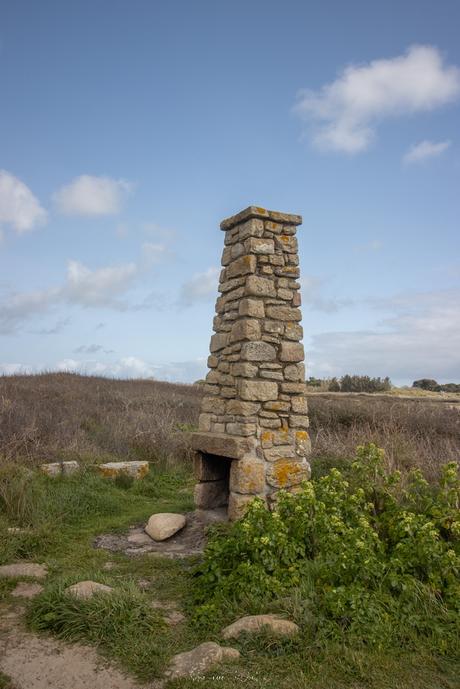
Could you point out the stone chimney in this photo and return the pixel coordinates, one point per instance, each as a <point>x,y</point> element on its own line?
<point>252,438</point>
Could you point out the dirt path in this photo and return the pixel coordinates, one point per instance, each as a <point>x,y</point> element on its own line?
<point>36,662</point>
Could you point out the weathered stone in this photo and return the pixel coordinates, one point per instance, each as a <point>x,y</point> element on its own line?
<point>204,422</point>
<point>212,361</point>
<point>303,443</point>
<point>298,421</point>
<point>292,351</point>
<point>293,388</point>
<point>257,623</point>
<point>163,525</point>
<point>252,307</point>
<point>211,405</point>
<point>135,469</point>
<point>296,299</point>
<point>243,265</point>
<point>244,369</point>
<point>211,494</point>
<point>26,590</point>
<point>274,327</point>
<point>222,444</point>
<point>247,476</point>
<point>87,589</point>
<point>218,341</point>
<point>260,287</point>
<point>238,505</point>
<point>283,313</point>
<point>293,331</point>
<point>199,660</point>
<point>256,245</point>
<point>245,429</point>
<point>299,405</point>
<point>277,405</point>
<point>270,423</point>
<point>258,351</point>
<point>293,372</point>
<point>60,468</point>
<point>23,569</point>
<point>280,452</point>
<point>230,285</point>
<point>272,375</point>
<point>257,390</point>
<point>247,329</point>
<point>284,473</point>
<point>285,294</point>
<point>240,408</point>
<point>251,228</point>
<point>287,243</point>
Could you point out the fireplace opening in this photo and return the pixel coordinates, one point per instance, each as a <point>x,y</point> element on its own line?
<point>213,476</point>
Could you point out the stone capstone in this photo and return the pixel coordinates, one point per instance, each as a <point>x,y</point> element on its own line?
<point>163,525</point>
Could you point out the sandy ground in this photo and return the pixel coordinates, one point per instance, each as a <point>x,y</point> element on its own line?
<point>37,662</point>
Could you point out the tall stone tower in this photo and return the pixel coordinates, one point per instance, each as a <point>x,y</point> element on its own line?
<point>253,437</point>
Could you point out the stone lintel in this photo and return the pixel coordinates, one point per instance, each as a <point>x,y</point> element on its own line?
<point>221,444</point>
<point>264,214</point>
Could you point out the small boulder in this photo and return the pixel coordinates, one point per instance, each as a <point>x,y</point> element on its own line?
<point>135,469</point>
<point>199,660</point>
<point>26,590</point>
<point>87,589</point>
<point>164,525</point>
<point>256,623</point>
<point>60,468</point>
<point>24,569</point>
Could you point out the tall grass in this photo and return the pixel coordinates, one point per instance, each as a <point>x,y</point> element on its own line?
<point>62,416</point>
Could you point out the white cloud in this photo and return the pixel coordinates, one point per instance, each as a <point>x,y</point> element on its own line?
<point>200,287</point>
<point>100,287</point>
<point>425,150</point>
<point>311,288</point>
<point>420,339</point>
<point>19,208</point>
<point>92,349</point>
<point>90,288</point>
<point>91,196</point>
<point>347,111</point>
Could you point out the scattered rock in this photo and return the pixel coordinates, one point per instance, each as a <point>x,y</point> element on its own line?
<point>256,623</point>
<point>60,468</point>
<point>135,469</point>
<point>199,660</point>
<point>174,617</point>
<point>144,584</point>
<point>24,569</point>
<point>164,525</point>
<point>27,590</point>
<point>87,589</point>
<point>109,565</point>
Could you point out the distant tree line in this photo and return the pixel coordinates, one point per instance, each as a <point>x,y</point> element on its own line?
<point>434,386</point>
<point>349,383</point>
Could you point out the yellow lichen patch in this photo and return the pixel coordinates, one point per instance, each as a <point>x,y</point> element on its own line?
<point>285,472</point>
<point>261,210</point>
<point>301,436</point>
<point>285,238</point>
<point>266,436</point>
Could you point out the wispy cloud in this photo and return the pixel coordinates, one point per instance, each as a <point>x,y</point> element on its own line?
<point>104,287</point>
<point>424,151</point>
<point>92,349</point>
<point>19,208</point>
<point>200,287</point>
<point>88,195</point>
<point>312,289</point>
<point>345,113</point>
<point>420,338</point>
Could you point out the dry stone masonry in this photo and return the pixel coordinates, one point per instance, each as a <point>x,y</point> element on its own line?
<point>253,438</point>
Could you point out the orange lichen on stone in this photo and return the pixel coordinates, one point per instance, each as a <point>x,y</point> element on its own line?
<point>301,435</point>
<point>286,472</point>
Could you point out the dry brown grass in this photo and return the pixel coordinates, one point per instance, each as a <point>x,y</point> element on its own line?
<point>65,416</point>
<point>59,416</point>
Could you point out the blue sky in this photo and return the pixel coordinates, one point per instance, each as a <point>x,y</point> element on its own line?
<point>128,130</point>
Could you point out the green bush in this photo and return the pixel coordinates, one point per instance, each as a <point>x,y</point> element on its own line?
<point>378,558</point>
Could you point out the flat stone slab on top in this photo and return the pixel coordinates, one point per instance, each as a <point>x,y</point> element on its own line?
<point>222,444</point>
<point>263,214</point>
